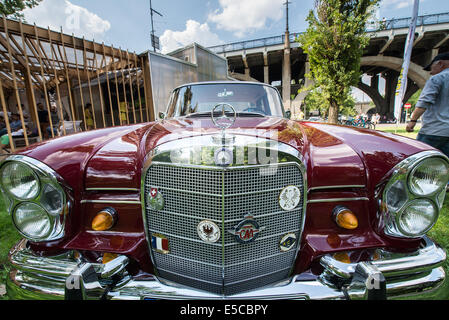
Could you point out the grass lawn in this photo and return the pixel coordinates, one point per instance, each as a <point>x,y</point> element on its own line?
<point>9,236</point>
<point>400,131</point>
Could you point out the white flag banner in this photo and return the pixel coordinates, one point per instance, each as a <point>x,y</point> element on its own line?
<point>402,81</point>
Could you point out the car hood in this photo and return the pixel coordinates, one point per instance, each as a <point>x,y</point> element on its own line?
<point>334,155</point>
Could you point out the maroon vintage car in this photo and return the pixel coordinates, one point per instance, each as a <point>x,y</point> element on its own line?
<point>226,198</point>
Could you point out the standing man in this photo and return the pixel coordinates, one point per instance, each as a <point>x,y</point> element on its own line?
<point>434,104</point>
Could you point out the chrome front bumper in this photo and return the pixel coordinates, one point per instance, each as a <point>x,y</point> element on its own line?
<point>417,275</point>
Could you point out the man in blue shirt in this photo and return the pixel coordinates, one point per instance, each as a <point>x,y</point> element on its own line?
<point>433,104</point>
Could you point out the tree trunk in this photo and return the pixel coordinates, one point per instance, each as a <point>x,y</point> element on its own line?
<point>333,113</point>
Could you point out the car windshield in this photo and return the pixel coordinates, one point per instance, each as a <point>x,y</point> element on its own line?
<point>245,98</point>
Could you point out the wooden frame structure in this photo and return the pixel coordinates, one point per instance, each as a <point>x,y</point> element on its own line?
<point>42,66</point>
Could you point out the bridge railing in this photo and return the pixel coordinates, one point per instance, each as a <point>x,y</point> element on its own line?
<point>374,27</point>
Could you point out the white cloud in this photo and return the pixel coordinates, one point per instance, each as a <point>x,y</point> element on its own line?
<point>194,32</point>
<point>72,19</point>
<point>242,17</point>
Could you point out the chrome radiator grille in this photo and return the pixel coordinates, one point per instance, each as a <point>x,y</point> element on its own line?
<point>193,194</point>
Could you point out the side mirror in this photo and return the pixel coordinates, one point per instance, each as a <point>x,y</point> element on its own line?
<point>288,114</point>
<point>162,115</point>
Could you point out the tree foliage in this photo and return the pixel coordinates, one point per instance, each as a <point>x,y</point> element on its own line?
<point>315,101</point>
<point>334,43</point>
<point>13,8</point>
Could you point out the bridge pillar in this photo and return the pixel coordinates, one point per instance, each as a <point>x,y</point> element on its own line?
<point>266,74</point>
<point>391,82</point>
<point>245,63</point>
<point>286,73</point>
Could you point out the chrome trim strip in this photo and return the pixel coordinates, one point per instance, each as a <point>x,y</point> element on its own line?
<point>337,187</point>
<point>338,200</point>
<point>112,201</point>
<point>112,189</point>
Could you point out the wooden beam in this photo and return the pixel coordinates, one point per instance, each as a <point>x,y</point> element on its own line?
<point>46,93</point>
<point>109,88</point>
<point>13,72</point>
<point>30,92</point>
<point>58,92</point>
<point>81,89</point>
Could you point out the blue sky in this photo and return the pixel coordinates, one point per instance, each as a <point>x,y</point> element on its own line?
<point>126,24</point>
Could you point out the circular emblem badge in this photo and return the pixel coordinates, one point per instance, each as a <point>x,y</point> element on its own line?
<point>247,231</point>
<point>208,231</point>
<point>287,242</point>
<point>155,200</point>
<point>289,198</point>
<point>223,157</point>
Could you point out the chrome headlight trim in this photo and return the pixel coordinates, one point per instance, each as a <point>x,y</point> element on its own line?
<point>46,176</point>
<point>401,173</point>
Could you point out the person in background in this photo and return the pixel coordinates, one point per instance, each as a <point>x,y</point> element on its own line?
<point>433,104</point>
<point>43,119</point>
<point>2,122</point>
<point>123,118</point>
<point>4,139</point>
<point>14,124</point>
<point>54,121</point>
<point>89,118</point>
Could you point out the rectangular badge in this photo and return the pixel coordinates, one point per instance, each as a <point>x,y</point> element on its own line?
<point>160,243</point>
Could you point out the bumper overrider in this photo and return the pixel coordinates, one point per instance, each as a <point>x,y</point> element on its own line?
<point>415,275</point>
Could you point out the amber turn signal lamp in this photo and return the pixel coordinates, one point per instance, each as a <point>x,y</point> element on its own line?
<point>345,218</point>
<point>104,220</point>
<point>107,256</point>
<point>342,257</point>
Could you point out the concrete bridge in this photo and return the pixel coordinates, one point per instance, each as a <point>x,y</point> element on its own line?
<point>279,60</point>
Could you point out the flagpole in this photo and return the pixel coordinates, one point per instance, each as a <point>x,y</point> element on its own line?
<point>402,81</point>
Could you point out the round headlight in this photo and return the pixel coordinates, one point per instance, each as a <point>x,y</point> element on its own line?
<point>418,217</point>
<point>20,181</point>
<point>32,221</point>
<point>396,196</point>
<point>429,176</point>
<point>52,200</point>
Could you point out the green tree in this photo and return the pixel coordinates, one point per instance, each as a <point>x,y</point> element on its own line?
<point>334,43</point>
<point>315,101</point>
<point>13,8</point>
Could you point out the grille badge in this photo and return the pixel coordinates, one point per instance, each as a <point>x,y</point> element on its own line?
<point>247,230</point>
<point>289,198</point>
<point>160,243</point>
<point>208,231</point>
<point>287,242</point>
<point>155,199</point>
<point>223,157</point>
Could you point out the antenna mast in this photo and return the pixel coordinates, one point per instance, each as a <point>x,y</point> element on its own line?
<point>154,39</point>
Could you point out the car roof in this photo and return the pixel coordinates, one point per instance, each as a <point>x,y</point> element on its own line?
<point>223,82</point>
